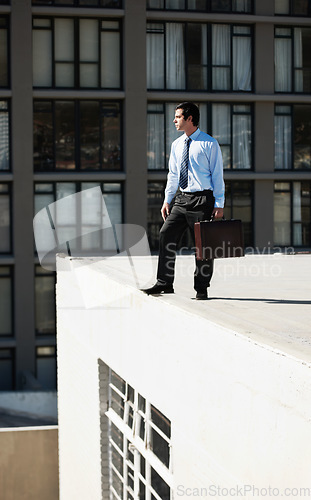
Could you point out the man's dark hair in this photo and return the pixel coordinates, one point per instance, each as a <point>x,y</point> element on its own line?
<point>190,109</point>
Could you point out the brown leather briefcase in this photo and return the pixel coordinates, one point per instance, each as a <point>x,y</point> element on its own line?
<point>218,239</point>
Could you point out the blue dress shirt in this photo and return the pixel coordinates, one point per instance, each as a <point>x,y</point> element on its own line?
<point>205,168</point>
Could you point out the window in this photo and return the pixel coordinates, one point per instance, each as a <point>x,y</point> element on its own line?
<point>76,53</point>
<point>293,7</point>
<point>239,205</point>
<point>6,370</point>
<point>111,4</point>
<point>179,56</point>
<point>241,6</point>
<point>46,367</point>
<point>230,124</point>
<point>5,219</point>
<point>4,52</point>
<point>74,227</point>
<point>292,126</point>
<point>77,135</point>
<point>45,301</point>
<point>292,213</point>
<point>6,301</point>
<point>4,136</point>
<point>232,127</point>
<point>139,442</point>
<point>154,218</point>
<point>292,59</point>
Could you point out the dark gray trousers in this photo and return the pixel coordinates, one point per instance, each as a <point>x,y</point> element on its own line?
<point>187,209</point>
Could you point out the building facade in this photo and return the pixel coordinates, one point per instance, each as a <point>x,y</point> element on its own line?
<point>87,96</point>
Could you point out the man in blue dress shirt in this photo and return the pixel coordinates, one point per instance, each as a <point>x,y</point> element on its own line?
<point>196,168</point>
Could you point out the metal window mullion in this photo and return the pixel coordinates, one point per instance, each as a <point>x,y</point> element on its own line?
<point>136,473</point>
<point>77,128</point>
<point>148,481</point>
<point>115,389</point>
<point>99,53</point>
<point>124,467</point>
<point>161,433</point>
<point>148,454</point>
<point>76,62</point>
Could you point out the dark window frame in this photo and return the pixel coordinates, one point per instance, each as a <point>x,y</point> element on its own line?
<point>37,275</point>
<point>10,274</point>
<point>290,190</point>
<point>77,132</point>
<point>290,37</point>
<point>208,9</point>
<point>292,10</point>
<point>76,61</point>
<point>76,3</point>
<point>9,194</point>
<point>291,114</point>
<point>78,188</point>
<point>11,357</point>
<point>208,127</point>
<point>210,66</point>
<point>8,52</point>
<point>231,183</point>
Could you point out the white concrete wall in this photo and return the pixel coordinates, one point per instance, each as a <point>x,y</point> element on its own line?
<point>240,410</point>
<point>39,404</point>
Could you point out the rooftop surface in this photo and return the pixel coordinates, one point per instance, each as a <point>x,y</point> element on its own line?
<point>266,298</point>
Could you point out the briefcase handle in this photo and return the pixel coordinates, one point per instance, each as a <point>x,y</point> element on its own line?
<point>213,217</point>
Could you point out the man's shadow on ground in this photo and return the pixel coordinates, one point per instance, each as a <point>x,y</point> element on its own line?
<point>268,301</point>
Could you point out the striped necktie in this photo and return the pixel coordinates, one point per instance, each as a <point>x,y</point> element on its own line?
<point>183,177</point>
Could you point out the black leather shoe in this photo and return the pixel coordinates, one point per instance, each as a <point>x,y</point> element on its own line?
<point>201,296</point>
<point>157,289</point>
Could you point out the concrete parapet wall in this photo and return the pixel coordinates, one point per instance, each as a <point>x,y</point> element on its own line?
<point>240,408</point>
<point>29,463</point>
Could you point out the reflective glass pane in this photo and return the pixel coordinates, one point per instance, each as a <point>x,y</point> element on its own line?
<point>64,135</point>
<point>301,7</point>
<point>5,305</point>
<point>88,75</point>
<point>89,135</point>
<point>88,40</point>
<point>155,141</point>
<point>64,75</point>
<point>3,58</point>
<point>43,136</point>
<point>111,136</point>
<point>42,58</point>
<point>197,56</point>
<point>281,7</point>
<point>159,485</point>
<point>4,140</point>
<point>46,372</point>
<point>6,370</point>
<point>110,59</point>
<point>282,218</point>
<point>64,40</point>
<point>5,243</point>
<point>302,137</point>
<point>45,304</point>
<point>155,56</point>
<point>221,5</point>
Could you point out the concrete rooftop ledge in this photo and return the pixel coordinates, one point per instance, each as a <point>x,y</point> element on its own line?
<point>265,298</point>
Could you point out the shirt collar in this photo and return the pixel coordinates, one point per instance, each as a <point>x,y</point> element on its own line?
<point>195,134</point>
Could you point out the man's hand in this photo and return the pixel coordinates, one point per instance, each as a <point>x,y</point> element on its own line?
<point>165,210</point>
<point>218,213</point>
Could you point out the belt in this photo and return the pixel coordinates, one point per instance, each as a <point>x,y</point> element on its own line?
<point>198,193</point>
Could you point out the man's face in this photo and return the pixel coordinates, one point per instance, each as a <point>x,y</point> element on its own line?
<point>180,123</point>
